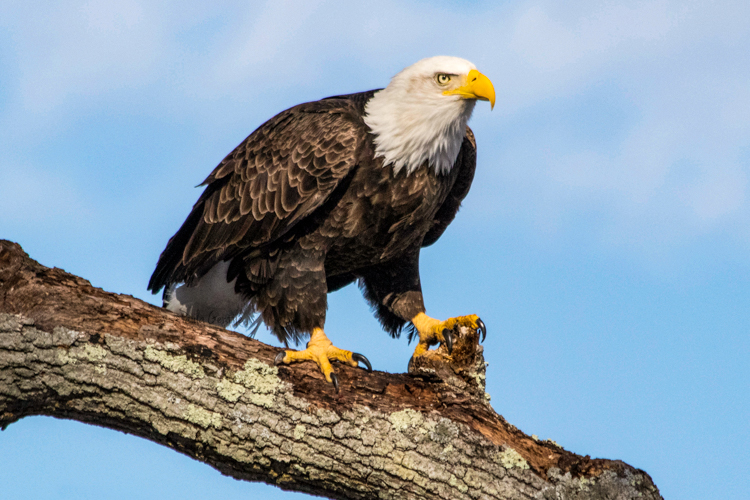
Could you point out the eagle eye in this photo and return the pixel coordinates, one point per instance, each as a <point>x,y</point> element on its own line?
<point>442,78</point>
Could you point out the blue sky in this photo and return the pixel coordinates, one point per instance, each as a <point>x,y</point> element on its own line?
<point>605,241</point>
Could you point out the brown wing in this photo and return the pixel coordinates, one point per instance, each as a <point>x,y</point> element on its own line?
<point>466,162</point>
<point>277,177</point>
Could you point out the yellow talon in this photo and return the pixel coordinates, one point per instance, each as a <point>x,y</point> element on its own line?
<point>431,330</point>
<point>472,321</point>
<point>321,350</point>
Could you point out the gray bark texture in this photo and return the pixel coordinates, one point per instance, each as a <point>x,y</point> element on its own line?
<point>70,350</point>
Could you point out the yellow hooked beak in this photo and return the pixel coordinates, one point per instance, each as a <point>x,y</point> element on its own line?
<point>477,86</point>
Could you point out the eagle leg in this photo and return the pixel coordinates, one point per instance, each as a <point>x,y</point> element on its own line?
<point>432,331</point>
<point>321,350</point>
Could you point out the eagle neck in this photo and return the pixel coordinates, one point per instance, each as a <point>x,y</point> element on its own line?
<point>410,130</point>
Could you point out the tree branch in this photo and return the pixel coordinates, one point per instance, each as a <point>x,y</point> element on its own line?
<point>70,350</point>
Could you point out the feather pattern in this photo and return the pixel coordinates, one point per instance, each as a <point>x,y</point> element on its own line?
<point>276,177</point>
<point>305,206</point>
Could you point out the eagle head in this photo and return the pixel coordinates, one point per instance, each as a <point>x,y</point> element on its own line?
<point>422,114</point>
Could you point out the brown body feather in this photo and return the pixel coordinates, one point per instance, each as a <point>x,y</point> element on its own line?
<point>302,207</point>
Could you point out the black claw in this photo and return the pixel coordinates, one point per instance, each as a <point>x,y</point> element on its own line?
<point>481,329</point>
<point>359,358</point>
<point>448,336</point>
<point>279,358</point>
<point>335,381</point>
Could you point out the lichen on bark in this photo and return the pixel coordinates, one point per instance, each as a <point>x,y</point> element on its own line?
<point>72,351</point>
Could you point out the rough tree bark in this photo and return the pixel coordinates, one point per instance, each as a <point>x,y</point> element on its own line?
<point>73,351</point>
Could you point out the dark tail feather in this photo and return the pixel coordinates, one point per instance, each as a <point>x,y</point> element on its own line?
<point>170,268</point>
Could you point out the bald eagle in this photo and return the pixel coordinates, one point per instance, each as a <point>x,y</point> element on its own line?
<point>326,193</point>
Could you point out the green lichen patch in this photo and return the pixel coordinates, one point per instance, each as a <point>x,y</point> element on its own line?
<point>402,420</point>
<point>456,483</point>
<point>444,431</point>
<point>204,418</point>
<point>92,353</point>
<point>262,380</point>
<point>89,352</point>
<point>174,363</point>
<point>259,377</point>
<point>299,432</point>
<point>229,390</point>
<point>583,483</point>
<point>264,400</point>
<point>64,359</point>
<point>510,458</point>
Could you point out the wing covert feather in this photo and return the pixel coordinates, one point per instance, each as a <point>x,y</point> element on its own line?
<point>279,175</point>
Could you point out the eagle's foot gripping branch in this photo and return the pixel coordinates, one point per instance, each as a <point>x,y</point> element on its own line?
<point>461,362</point>
<point>321,350</point>
<point>433,331</point>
